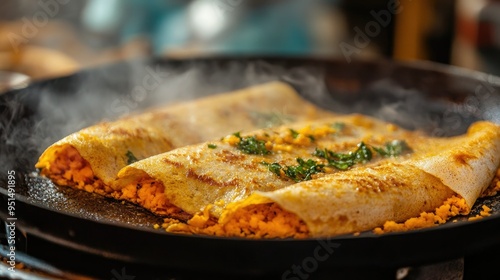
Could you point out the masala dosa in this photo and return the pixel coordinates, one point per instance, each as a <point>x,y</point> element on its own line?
<point>91,158</point>
<point>364,198</point>
<point>222,181</point>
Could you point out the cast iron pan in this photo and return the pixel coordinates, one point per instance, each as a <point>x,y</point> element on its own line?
<point>438,99</point>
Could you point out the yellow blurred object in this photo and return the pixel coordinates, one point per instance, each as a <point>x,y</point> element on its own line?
<point>411,26</point>
<point>26,54</point>
<point>39,62</point>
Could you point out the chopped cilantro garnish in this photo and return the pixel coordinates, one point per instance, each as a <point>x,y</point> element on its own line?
<point>393,148</point>
<point>212,146</point>
<point>130,157</point>
<point>342,161</point>
<point>273,167</point>
<point>363,154</point>
<point>251,145</point>
<point>301,172</point>
<point>304,170</point>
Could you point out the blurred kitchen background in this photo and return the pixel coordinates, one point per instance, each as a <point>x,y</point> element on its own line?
<point>48,38</point>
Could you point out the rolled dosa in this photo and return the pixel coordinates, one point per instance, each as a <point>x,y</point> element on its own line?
<point>237,195</point>
<point>91,158</point>
<point>362,199</point>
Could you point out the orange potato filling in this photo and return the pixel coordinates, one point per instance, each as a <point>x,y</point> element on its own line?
<point>255,221</point>
<point>150,194</point>
<point>452,207</point>
<point>69,169</point>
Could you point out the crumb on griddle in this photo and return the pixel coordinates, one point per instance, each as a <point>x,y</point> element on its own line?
<point>484,213</point>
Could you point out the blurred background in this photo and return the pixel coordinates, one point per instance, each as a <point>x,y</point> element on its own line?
<point>48,38</point>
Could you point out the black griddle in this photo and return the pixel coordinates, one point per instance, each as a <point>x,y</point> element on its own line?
<point>111,236</point>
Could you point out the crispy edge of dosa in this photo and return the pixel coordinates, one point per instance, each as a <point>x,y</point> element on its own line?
<point>465,163</point>
<point>107,157</point>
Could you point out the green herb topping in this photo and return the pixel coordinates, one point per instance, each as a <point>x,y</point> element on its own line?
<point>394,148</point>
<point>342,161</point>
<point>301,172</point>
<point>212,146</point>
<point>294,133</point>
<point>130,157</point>
<point>250,145</point>
<point>273,167</point>
<point>362,155</point>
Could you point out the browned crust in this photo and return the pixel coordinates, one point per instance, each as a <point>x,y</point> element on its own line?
<point>191,173</point>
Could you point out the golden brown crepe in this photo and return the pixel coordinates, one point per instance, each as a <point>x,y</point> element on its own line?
<point>222,182</point>
<point>355,200</point>
<point>365,198</point>
<point>465,164</point>
<point>91,158</point>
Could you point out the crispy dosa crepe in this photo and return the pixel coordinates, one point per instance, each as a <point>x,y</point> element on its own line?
<point>465,164</point>
<point>91,158</point>
<point>186,180</point>
<point>364,198</point>
<point>355,200</point>
<point>243,194</point>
